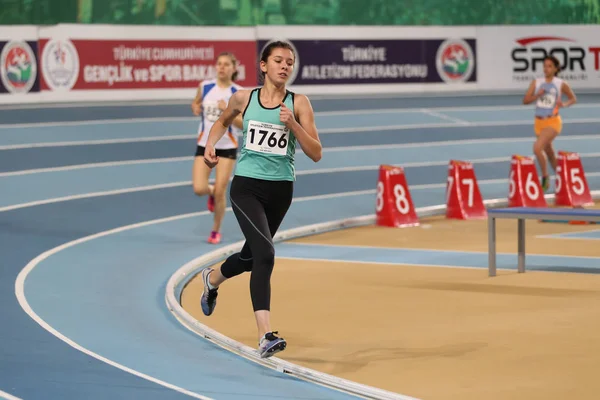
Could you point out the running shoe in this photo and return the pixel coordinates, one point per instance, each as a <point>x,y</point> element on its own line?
<point>270,345</point>
<point>214,238</point>
<point>208,301</point>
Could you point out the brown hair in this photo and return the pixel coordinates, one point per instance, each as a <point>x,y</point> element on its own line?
<point>555,62</point>
<point>269,49</point>
<point>233,60</point>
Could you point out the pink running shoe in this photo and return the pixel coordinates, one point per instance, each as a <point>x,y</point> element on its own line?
<point>211,203</point>
<point>214,238</point>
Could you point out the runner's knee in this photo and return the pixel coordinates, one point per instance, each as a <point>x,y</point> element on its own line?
<point>236,265</point>
<point>538,147</point>
<point>265,259</point>
<point>201,189</point>
<point>220,192</point>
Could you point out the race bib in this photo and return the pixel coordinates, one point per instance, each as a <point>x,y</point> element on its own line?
<point>548,100</point>
<point>211,110</point>
<point>267,138</point>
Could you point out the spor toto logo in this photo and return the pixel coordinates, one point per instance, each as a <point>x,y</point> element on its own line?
<point>60,64</point>
<point>18,67</point>
<point>294,74</point>
<point>529,55</point>
<point>455,60</point>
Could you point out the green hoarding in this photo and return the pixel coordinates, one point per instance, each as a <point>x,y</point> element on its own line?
<point>300,12</point>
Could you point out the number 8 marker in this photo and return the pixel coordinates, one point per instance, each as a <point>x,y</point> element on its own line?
<point>379,204</point>
<point>401,201</point>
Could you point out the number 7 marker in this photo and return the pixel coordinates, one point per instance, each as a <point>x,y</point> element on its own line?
<point>463,199</point>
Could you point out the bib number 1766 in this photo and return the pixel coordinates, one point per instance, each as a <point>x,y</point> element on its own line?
<point>267,138</point>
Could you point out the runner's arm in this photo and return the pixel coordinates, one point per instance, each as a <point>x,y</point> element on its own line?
<point>530,95</point>
<point>566,89</point>
<point>238,122</point>
<point>305,130</point>
<point>197,102</point>
<point>233,110</point>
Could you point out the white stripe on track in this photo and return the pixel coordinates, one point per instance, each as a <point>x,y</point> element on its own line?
<point>7,396</point>
<point>325,150</point>
<point>95,165</point>
<point>96,142</point>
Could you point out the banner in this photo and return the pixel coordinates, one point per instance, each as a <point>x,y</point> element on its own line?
<point>511,57</point>
<point>137,64</point>
<point>19,78</point>
<point>116,62</point>
<point>338,62</point>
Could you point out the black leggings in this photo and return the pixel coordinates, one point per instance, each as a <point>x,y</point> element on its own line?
<point>259,207</point>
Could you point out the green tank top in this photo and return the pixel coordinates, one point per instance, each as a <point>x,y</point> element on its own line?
<point>268,146</point>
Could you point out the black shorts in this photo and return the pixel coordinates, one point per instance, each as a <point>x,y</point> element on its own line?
<point>225,153</point>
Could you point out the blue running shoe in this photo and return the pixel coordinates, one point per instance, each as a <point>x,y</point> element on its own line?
<point>270,345</point>
<point>208,301</point>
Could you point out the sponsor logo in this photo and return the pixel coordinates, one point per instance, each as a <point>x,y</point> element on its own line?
<point>529,53</point>
<point>60,64</point>
<point>294,73</point>
<point>18,67</point>
<point>455,61</point>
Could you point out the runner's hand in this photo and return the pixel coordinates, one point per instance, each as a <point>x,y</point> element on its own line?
<point>286,116</point>
<point>210,157</point>
<point>540,93</point>
<point>196,108</point>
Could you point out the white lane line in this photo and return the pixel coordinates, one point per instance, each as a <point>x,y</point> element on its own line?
<point>401,127</point>
<point>188,183</point>
<point>409,110</point>
<point>444,116</point>
<point>7,396</point>
<point>449,143</point>
<point>96,142</point>
<point>96,165</point>
<point>421,164</point>
<point>325,150</point>
<point>21,278</point>
<point>372,129</point>
<point>399,110</point>
<point>299,173</point>
<point>98,122</point>
<point>180,159</point>
<point>20,293</point>
<point>88,104</point>
<point>94,194</point>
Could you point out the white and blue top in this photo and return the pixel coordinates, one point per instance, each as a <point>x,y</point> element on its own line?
<point>546,105</point>
<point>211,95</point>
